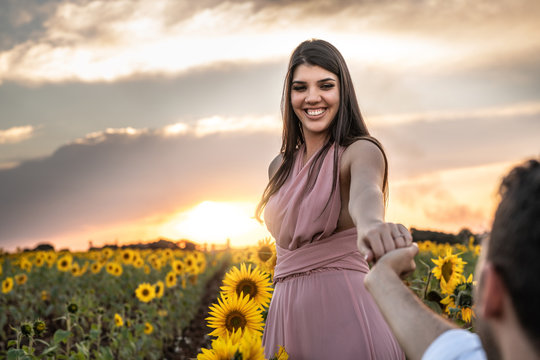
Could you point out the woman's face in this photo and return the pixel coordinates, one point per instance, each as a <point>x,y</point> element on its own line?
<point>314,98</point>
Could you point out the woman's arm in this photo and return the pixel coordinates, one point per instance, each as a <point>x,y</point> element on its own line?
<point>366,202</point>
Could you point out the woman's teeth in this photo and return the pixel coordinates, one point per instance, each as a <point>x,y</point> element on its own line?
<point>314,112</point>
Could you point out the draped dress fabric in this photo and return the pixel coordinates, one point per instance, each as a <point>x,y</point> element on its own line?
<point>320,308</point>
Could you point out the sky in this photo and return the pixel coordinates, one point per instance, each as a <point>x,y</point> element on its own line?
<point>125,121</point>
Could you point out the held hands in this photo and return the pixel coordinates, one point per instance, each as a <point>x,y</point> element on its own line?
<point>381,238</point>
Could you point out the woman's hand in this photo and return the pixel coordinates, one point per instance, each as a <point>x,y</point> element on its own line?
<point>382,237</point>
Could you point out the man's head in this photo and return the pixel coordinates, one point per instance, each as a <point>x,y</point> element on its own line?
<point>510,264</point>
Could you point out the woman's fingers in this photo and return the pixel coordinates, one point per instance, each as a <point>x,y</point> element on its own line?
<point>383,238</point>
<point>398,237</point>
<point>387,239</point>
<point>406,234</point>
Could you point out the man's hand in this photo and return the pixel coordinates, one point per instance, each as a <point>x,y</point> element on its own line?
<point>399,261</point>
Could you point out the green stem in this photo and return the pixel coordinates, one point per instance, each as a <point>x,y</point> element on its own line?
<point>68,341</point>
<point>427,285</point>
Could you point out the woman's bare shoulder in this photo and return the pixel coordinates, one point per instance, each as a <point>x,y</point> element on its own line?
<point>363,150</point>
<point>274,165</point>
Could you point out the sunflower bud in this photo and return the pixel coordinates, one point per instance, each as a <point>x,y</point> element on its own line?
<point>26,329</point>
<point>72,308</point>
<point>39,327</point>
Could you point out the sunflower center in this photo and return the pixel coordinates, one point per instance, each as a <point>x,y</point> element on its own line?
<point>145,292</point>
<point>464,300</point>
<point>235,320</point>
<point>265,253</point>
<point>447,271</point>
<point>248,287</point>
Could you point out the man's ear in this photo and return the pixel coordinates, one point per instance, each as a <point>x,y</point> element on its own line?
<point>494,293</point>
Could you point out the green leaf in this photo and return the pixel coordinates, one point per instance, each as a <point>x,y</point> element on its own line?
<point>61,336</point>
<point>49,350</point>
<point>82,350</point>
<point>14,354</point>
<point>106,354</point>
<point>94,334</point>
<point>42,342</point>
<point>12,343</point>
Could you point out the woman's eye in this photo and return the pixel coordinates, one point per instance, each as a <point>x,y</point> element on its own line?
<point>327,86</point>
<point>299,88</point>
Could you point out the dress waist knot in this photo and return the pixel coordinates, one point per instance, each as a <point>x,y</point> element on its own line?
<point>339,250</point>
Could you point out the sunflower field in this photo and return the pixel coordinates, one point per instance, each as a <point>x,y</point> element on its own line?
<point>132,304</point>
<point>107,304</point>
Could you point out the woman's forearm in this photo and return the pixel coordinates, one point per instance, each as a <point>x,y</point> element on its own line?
<point>366,208</point>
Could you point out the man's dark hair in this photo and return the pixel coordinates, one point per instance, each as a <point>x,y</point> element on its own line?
<point>514,246</point>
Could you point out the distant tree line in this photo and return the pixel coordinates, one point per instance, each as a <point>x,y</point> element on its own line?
<point>158,244</point>
<point>462,237</point>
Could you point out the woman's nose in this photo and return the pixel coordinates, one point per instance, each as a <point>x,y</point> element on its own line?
<point>312,97</point>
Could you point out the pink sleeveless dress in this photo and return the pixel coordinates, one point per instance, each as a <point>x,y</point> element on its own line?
<point>320,308</point>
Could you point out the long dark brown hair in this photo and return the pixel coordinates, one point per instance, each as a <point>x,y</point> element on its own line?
<point>347,127</point>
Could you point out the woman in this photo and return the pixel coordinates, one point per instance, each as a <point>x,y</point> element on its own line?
<point>325,208</point>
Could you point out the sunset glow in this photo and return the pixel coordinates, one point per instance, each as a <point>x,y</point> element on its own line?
<point>215,222</point>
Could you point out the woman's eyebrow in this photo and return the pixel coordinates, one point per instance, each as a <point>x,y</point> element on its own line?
<point>319,81</point>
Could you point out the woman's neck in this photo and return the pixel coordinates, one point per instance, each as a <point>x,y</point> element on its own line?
<point>312,145</point>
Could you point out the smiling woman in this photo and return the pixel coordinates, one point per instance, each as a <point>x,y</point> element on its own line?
<point>215,222</point>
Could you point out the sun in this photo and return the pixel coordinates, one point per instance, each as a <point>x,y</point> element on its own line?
<point>213,222</point>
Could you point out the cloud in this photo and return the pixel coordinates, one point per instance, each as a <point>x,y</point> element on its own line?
<point>105,41</point>
<point>123,175</point>
<point>16,134</point>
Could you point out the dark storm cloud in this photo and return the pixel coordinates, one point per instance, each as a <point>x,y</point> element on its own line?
<point>126,177</point>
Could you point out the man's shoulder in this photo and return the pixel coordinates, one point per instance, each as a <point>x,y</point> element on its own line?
<point>455,344</point>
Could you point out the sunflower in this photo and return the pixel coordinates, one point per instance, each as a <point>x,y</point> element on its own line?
<point>40,259</point>
<point>107,253</point>
<point>114,268</point>
<point>250,346</point>
<point>64,263</point>
<point>159,288</point>
<point>449,271</point>
<point>50,257</point>
<point>281,354</point>
<point>95,267</point>
<point>223,348</point>
<point>148,328</point>
<point>7,285</point>
<point>234,313</point>
<point>145,292</point>
<point>25,264</point>
<point>138,262</point>
<point>20,279</point>
<point>170,279</point>
<point>459,304</point>
<point>45,296</point>
<point>118,321</point>
<point>264,251</point>
<point>146,269</point>
<point>76,270</point>
<point>253,283</point>
<point>167,254</point>
<point>127,256</point>
<point>118,270</point>
<point>191,264</point>
<point>178,267</point>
